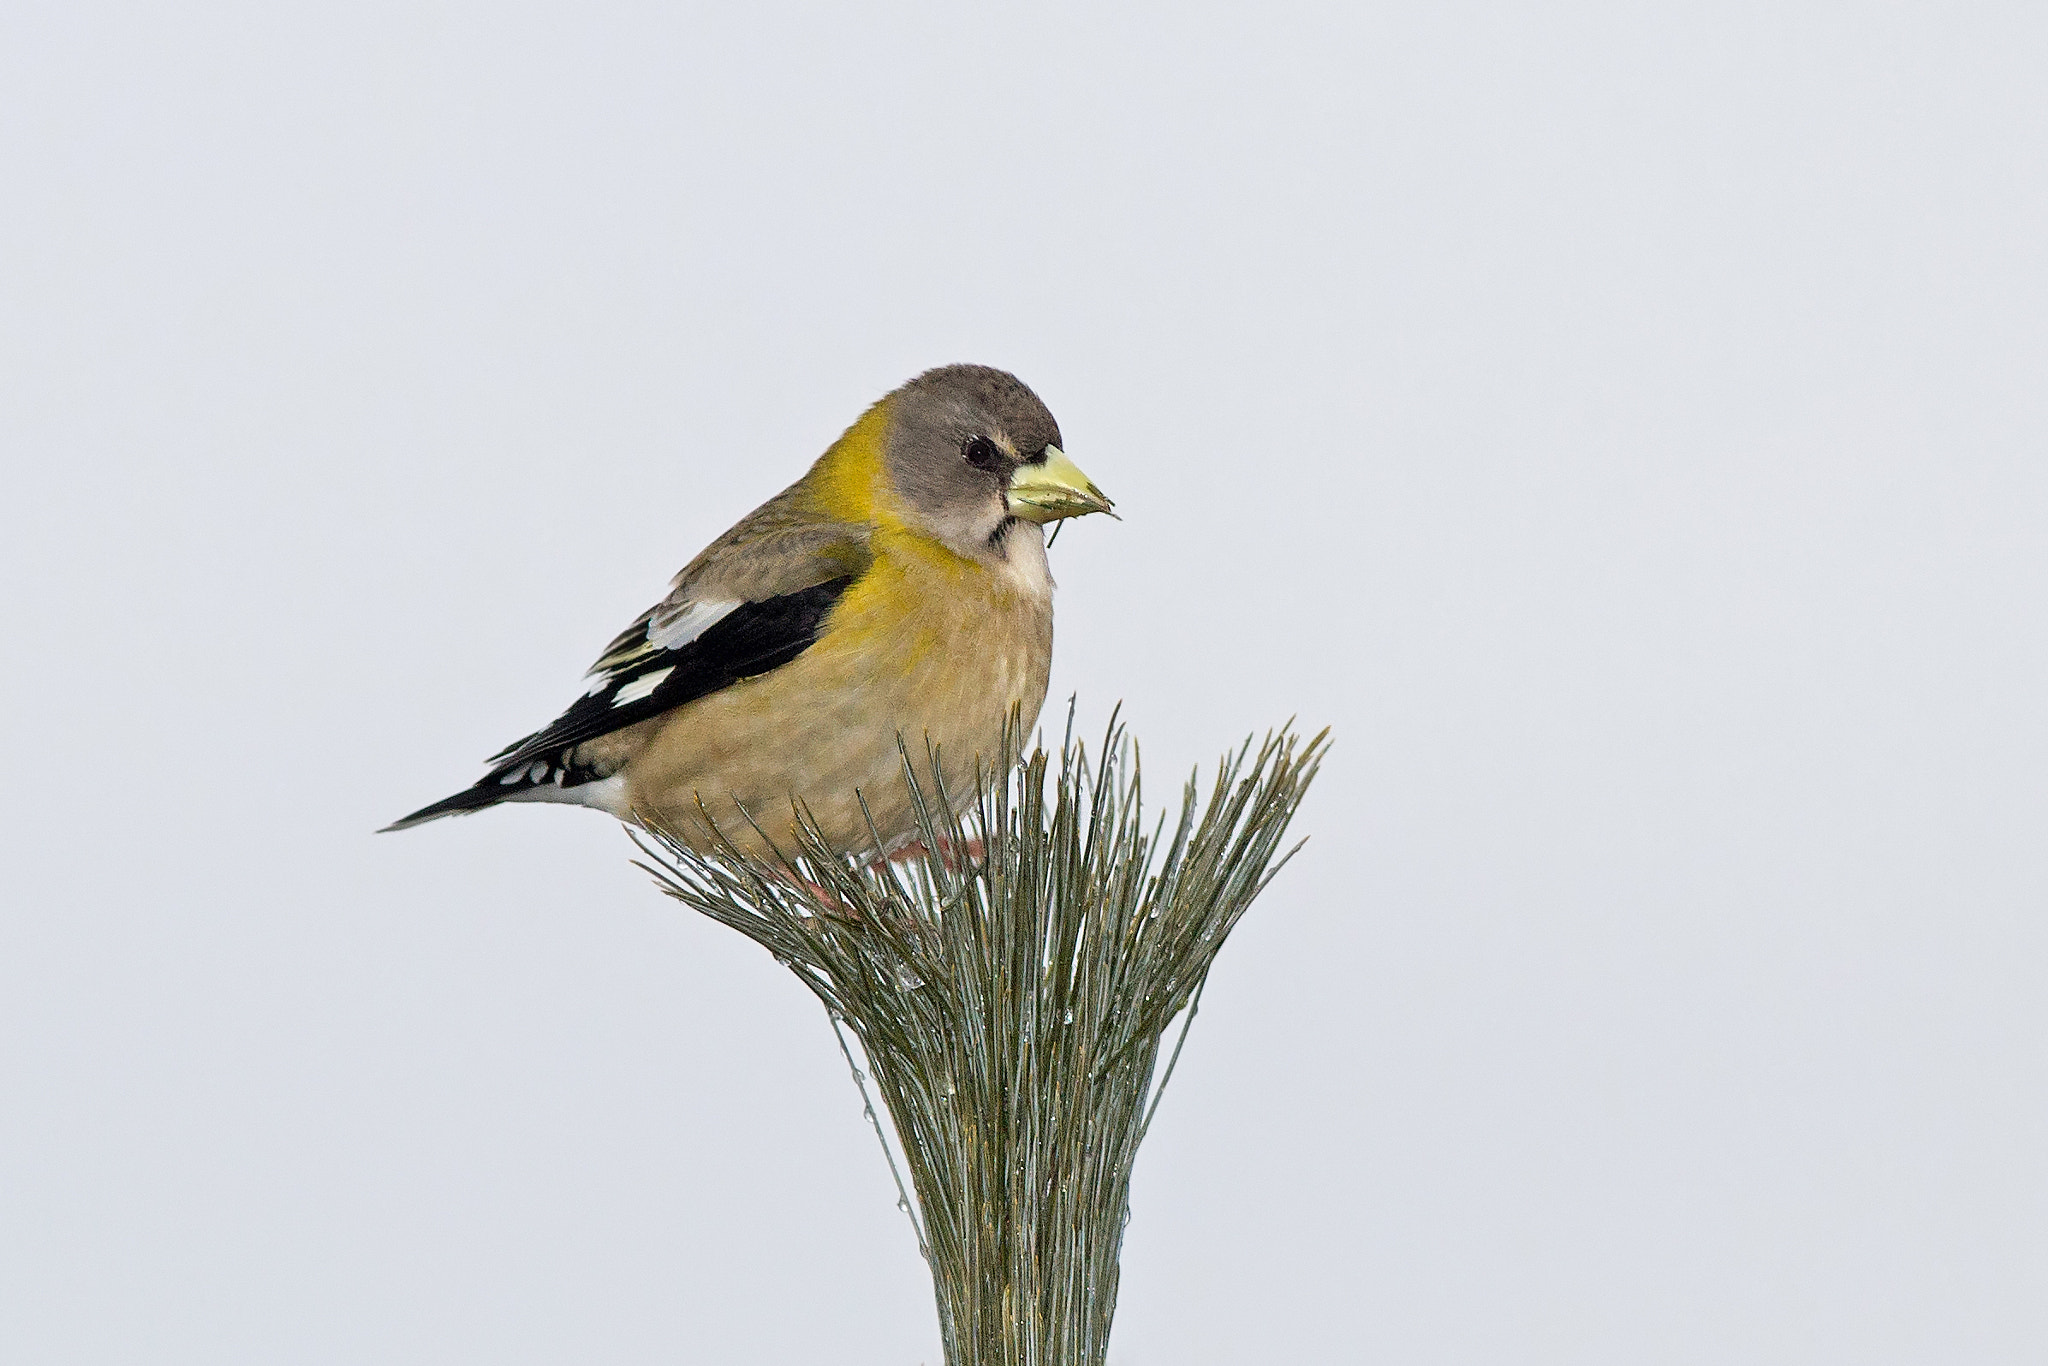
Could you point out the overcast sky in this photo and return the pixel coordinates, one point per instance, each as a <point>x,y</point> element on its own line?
<point>1626,425</point>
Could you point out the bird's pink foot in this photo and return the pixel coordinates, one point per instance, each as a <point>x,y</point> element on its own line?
<point>953,857</point>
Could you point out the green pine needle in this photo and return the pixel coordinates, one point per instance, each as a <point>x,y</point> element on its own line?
<point>1011,1001</point>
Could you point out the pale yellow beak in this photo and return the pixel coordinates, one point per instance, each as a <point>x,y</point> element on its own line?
<point>1054,489</point>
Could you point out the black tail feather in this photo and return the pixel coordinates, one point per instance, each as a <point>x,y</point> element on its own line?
<point>489,792</point>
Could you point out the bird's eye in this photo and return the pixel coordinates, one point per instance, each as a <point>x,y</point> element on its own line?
<point>981,453</point>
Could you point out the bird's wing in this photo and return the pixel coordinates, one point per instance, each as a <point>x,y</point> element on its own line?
<point>752,602</point>
<point>739,611</point>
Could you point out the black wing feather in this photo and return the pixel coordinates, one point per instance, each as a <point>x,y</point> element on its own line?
<point>752,639</point>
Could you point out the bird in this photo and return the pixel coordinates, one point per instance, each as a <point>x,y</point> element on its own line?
<point>898,594</point>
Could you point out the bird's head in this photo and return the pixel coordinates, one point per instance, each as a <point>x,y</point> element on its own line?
<point>971,454</point>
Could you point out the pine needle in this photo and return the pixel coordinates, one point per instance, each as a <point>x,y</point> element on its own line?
<point>1011,1005</point>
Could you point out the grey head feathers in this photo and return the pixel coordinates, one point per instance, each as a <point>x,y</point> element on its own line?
<point>956,436</point>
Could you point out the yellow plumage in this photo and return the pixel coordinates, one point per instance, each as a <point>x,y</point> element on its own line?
<point>900,588</point>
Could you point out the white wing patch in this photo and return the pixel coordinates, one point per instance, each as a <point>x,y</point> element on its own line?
<point>667,628</point>
<point>642,686</point>
<point>666,631</point>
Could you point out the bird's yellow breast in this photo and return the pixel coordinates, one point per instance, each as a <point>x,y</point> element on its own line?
<point>926,645</point>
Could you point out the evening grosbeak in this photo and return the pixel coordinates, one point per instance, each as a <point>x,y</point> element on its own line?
<point>899,588</point>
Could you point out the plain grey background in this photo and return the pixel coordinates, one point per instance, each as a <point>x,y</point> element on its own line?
<point>1625,424</point>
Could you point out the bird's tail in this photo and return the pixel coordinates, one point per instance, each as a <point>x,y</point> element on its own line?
<point>489,792</point>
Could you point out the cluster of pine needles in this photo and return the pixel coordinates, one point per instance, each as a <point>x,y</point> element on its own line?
<point>1011,982</point>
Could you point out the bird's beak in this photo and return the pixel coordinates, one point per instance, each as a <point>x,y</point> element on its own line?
<point>1054,488</point>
